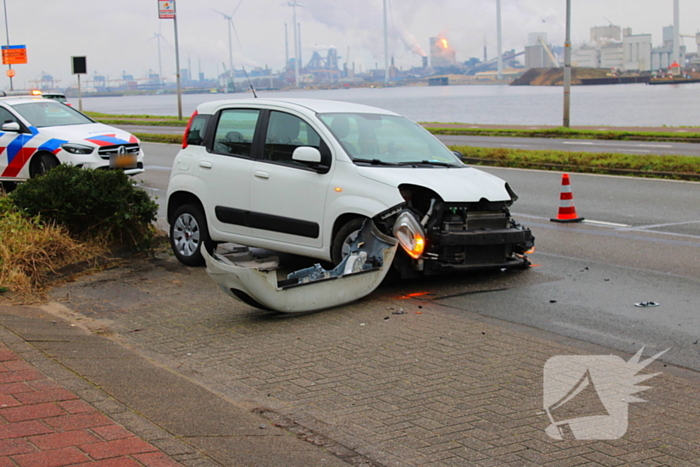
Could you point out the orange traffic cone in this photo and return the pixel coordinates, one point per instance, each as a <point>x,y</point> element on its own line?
<point>567,211</point>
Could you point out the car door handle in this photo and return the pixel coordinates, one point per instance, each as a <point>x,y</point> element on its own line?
<point>261,174</point>
<point>205,164</point>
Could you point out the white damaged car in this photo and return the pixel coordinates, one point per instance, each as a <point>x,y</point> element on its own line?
<point>303,176</point>
<point>37,134</point>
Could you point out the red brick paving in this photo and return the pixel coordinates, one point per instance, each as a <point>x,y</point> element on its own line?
<point>44,425</point>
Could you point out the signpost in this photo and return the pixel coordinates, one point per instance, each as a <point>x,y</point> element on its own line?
<point>79,68</point>
<point>166,10</point>
<point>14,54</point>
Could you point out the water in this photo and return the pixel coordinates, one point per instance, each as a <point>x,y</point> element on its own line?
<point>613,105</point>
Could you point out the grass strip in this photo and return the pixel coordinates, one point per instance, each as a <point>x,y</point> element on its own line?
<point>99,115</point>
<point>669,167</point>
<point>567,133</point>
<point>159,138</point>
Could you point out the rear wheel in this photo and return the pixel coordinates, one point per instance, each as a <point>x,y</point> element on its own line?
<point>345,236</point>
<point>42,163</point>
<point>188,233</point>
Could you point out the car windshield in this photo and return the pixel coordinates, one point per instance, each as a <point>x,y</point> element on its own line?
<point>45,112</point>
<point>388,140</point>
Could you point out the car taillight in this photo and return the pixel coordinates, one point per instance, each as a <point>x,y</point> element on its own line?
<point>187,130</point>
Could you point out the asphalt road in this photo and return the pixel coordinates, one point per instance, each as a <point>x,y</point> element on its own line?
<point>573,145</point>
<point>640,242</point>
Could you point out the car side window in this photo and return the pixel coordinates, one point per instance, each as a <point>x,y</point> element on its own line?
<point>285,133</point>
<point>234,132</point>
<point>6,116</point>
<point>197,128</point>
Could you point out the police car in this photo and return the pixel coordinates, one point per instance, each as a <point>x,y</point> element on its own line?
<point>37,134</point>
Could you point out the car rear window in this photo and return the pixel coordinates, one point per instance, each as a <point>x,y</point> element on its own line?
<point>234,131</point>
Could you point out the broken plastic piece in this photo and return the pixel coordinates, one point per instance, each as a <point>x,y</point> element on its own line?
<point>254,281</point>
<point>646,304</point>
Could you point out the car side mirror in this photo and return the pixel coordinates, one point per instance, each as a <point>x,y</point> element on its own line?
<point>307,155</point>
<point>11,126</point>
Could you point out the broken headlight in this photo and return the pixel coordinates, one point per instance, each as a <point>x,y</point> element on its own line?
<point>410,234</point>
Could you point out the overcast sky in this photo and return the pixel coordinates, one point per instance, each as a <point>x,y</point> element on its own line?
<point>119,36</point>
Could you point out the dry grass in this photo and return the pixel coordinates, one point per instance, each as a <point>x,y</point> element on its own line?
<point>31,253</point>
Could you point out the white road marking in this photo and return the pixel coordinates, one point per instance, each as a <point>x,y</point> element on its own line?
<point>579,142</point>
<point>654,226</point>
<point>610,224</point>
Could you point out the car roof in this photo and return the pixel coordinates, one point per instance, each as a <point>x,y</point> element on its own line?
<point>313,105</point>
<point>17,99</point>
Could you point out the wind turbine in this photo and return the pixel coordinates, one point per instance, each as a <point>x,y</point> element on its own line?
<point>231,28</point>
<point>158,36</point>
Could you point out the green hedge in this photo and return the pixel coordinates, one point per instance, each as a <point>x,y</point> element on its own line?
<point>91,204</point>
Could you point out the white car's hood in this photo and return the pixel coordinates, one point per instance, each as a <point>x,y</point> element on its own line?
<point>91,133</point>
<point>455,185</point>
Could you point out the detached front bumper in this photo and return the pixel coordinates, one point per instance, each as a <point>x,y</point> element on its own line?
<point>255,282</point>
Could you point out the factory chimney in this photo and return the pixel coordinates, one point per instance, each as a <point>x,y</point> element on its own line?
<point>677,34</point>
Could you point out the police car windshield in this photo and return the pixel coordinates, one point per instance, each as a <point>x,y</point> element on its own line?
<point>45,113</point>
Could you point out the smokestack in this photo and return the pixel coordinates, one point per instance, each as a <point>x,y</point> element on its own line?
<point>498,32</point>
<point>301,62</point>
<point>286,46</point>
<point>677,33</point>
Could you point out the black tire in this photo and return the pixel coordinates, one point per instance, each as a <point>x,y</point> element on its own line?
<point>188,233</point>
<point>342,239</point>
<point>42,163</point>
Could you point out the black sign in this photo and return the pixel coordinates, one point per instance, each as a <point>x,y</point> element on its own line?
<point>79,66</point>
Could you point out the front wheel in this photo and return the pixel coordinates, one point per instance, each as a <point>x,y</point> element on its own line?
<point>42,163</point>
<point>345,236</point>
<point>188,233</point>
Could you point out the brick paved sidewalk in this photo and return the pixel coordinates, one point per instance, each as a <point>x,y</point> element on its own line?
<point>43,424</point>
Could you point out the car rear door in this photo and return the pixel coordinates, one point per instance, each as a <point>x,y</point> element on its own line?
<point>225,170</point>
<point>288,198</point>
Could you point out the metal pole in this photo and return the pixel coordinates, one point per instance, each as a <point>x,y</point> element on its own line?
<point>80,95</point>
<point>386,47</point>
<point>499,39</point>
<point>177,66</point>
<point>567,67</point>
<point>7,32</point>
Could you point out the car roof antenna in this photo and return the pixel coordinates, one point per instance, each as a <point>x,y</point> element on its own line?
<point>249,83</point>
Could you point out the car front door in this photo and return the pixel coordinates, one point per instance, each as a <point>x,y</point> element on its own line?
<point>287,197</point>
